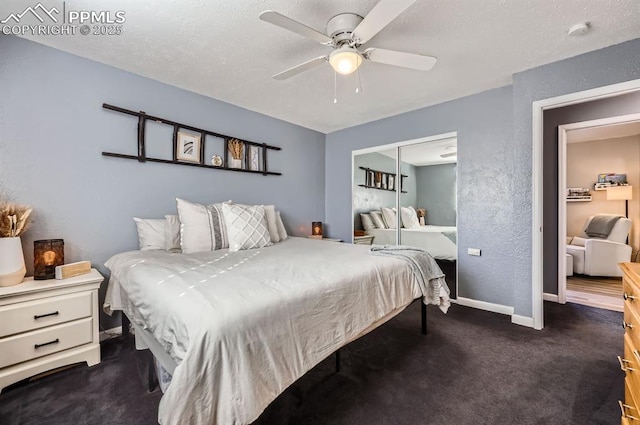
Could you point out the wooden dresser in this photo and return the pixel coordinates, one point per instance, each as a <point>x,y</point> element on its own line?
<point>46,324</point>
<point>630,361</point>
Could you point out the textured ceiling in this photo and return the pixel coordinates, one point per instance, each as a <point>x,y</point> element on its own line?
<point>222,50</point>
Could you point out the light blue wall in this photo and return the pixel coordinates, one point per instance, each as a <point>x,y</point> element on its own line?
<point>494,166</point>
<point>603,67</point>
<point>437,193</point>
<point>484,168</point>
<point>368,199</point>
<point>53,129</point>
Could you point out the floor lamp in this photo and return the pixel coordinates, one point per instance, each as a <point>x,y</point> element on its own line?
<point>621,193</point>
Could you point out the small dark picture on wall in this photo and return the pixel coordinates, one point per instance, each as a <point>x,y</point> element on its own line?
<point>188,147</point>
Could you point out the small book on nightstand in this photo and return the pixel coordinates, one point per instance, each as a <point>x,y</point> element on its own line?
<point>73,269</point>
<point>315,236</point>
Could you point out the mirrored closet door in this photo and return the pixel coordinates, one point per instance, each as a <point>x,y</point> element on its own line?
<point>406,194</point>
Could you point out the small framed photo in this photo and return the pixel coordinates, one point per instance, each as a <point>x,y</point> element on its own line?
<point>391,184</point>
<point>188,147</point>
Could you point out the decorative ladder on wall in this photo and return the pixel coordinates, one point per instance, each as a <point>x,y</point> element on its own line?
<point>142,157</point>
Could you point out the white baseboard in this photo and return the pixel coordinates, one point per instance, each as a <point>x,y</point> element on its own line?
<point>522,320</point>
<point>497,308</point>
<point>550,297</point>
<point>483,305</point>
<point>110,333</point>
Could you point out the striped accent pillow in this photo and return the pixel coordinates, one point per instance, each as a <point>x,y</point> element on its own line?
<point>202,227</point>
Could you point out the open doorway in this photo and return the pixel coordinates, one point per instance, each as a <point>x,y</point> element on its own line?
<point>612,100</point>
<point>598,176</point>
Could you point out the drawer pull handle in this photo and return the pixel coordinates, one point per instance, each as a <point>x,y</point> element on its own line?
<point>623,409</point>
<point>622,364</point>
<point>40,316</point>
<point>628,297</point>
<point>626,325</point>
<point>55,341</point>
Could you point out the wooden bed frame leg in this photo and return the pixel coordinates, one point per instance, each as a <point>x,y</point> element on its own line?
<point>338,361</point>
<point>424,317</point>
<point>152,379</point>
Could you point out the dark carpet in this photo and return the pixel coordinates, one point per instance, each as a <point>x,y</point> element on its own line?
<point>474,367</point>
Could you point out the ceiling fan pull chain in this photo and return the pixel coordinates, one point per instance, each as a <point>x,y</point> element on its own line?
<point>335,87</point>
<point>358,81</point>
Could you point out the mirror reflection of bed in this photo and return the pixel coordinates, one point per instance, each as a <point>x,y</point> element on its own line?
<point>425,210</point>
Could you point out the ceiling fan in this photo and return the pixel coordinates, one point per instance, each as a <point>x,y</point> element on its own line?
<point>347,32</point>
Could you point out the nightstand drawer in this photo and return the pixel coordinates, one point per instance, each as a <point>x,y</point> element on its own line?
<point>27,346</point>
<point>31,315</point>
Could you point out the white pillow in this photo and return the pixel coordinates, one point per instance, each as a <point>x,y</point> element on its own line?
<point>202,228</point>
<point>150,233</point>
<point>367,222</point>
<point>389,216</point>
<point>247,226</point>
<point>377,219</point>
<point>282,232</point>
<point>172,232</point>
<point>270,215</point>
<point>409,218</point>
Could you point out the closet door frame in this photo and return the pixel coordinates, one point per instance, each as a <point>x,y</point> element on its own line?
<point>397,146</point>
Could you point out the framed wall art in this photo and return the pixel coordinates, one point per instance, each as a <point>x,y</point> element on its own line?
<point>188,148</point>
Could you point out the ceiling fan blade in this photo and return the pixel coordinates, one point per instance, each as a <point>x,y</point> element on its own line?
<point>282,21</point>
<point>405,60</point>
<point>380,16</point>
<point>301,68</point>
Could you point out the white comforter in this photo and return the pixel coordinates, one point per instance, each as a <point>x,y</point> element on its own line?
<point>431,238</point>
<point>244,326</point>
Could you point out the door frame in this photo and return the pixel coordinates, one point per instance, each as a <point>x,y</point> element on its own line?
<point>539,107</point>
<point>562,185</point>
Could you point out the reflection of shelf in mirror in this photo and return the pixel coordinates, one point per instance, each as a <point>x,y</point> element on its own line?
<point>580,199</point>
<point>376,179</point>
<point>380,188</point>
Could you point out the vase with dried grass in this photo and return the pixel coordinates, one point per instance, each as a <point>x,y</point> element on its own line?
<point>15,219</point>
<point>235,149</point>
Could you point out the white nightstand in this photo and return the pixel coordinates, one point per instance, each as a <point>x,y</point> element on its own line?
<point>46,324</point>
<point>363,240</point>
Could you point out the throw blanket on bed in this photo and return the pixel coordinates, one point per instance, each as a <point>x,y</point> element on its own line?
<point>451,234</point>
<point>427,272</point>
<point>601,225</point>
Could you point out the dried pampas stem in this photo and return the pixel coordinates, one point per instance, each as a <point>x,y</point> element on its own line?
<point>235,147</point>
<point>15,219</point>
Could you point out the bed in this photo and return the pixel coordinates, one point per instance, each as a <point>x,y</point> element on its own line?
<point>439,241</point>
<point>237,328</point>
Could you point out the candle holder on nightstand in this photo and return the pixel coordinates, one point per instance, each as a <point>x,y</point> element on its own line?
<point>47,254</point>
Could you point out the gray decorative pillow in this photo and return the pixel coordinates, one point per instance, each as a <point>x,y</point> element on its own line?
<point>367,222</point>
<point>377,219</point>
<point>246,226</point>
<point>202,227</point>
<point>389,216</point>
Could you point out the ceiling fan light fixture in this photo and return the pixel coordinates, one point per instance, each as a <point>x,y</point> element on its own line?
<point>345,60</point>
<point>448,154</point>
